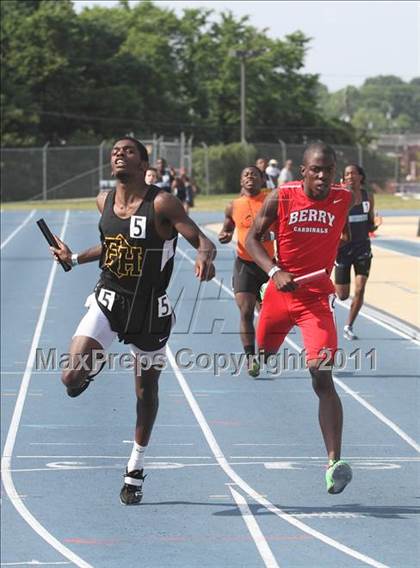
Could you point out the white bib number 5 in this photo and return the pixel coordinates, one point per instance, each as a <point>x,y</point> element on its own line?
<point>106,298</point>
<point>138,227</point>
<point>164,306</point>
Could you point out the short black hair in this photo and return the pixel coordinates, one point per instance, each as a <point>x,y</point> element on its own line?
<point>144,155</point>
<point>360,170</point>
<point>254,167</point>
<point>320,147</point>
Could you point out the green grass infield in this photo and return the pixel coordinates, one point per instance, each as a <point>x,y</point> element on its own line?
<point>202,203</point>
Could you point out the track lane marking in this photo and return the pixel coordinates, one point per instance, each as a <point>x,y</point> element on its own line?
<point>254,529</point>
<point>16,231</point>
<point>379,415</point>
<point>231,473</point>
<point>14,426</point>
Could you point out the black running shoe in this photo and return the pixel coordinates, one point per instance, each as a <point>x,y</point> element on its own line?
<point>132,490</point>
<point>76,391</point>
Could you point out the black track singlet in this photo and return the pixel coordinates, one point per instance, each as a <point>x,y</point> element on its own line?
<point>358,248</point>
<point>359,219</point>
<point>136,266</point>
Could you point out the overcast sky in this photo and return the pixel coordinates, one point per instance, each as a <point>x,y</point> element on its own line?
<point>350,40</point>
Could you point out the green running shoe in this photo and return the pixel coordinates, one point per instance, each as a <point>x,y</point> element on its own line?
<point>253,367</point>
<point>337,476</point>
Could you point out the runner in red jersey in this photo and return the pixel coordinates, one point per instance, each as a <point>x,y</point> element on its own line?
<point>310,217</point>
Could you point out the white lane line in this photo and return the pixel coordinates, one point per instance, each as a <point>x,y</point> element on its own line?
<point>322,458</point>
<point>254,529</point>
<point>14,426</point>
<point>16,231</point>
<point>403,435</point>
<point>307,458</point>
<point>33,563</point>
<point>372,465</point>
<point>231,473</point>
<point>404,335</point>
<point>299,445</point>
<point>379,415</point>
<point>118,457</point>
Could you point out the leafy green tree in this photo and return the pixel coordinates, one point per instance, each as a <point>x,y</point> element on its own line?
<point>89,76</point>
<point>280,100</point>
<point>19,121</point>
<point>42,74</point>
<point>225,163</point>
<point>382,104</point>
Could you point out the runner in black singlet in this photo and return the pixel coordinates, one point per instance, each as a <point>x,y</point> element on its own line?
<point>356,252</point>
<point>138,227</point>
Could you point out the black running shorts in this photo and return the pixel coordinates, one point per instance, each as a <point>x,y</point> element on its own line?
<point>358,255</point>
<point>248,277</point>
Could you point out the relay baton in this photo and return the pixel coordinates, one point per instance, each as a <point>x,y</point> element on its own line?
<point>52,241</point>
<point>311,276</point>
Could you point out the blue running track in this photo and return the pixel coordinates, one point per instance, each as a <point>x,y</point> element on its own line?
<point>236,465</point>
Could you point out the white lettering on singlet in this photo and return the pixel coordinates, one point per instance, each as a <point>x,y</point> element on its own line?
<point>331,218</point>
<point>294,215</point>
<point>311,215</point>
<point>322,217</point>
<point>311,230</point>
<point>358,218</point>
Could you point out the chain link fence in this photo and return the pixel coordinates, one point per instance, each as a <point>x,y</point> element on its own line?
<point>217,172</point>
<point>79,171</point>
<point>75,172</point>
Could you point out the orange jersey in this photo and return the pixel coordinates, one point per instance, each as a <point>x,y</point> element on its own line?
<point>244,211</point>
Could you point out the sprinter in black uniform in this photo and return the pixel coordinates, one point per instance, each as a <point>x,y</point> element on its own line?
<point>138,228</point>
<point>357,251</point>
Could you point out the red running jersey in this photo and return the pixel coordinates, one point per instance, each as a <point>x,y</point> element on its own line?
<point>308,231</point>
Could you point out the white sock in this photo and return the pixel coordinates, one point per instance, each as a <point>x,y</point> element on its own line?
<point>136,460</point>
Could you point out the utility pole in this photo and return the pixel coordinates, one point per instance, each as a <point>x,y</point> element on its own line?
<point>243,117</point>
<point>44,170</point>
<point>243,55</point>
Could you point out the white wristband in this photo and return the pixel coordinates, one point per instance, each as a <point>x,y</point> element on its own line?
<point>273,270</point>
<point>74,259</point>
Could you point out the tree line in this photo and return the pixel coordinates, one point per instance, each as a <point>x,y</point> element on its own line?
<point>78,78</point>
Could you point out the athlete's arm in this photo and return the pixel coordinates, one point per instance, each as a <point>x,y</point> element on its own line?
<point>89,255</point>
<point>266,216</point>
<point>345,236</point>
<point>170,210</point>
<point>65,253</point>
<point>226,234</point>
<point>100,200</point>
<point>375,221</point>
